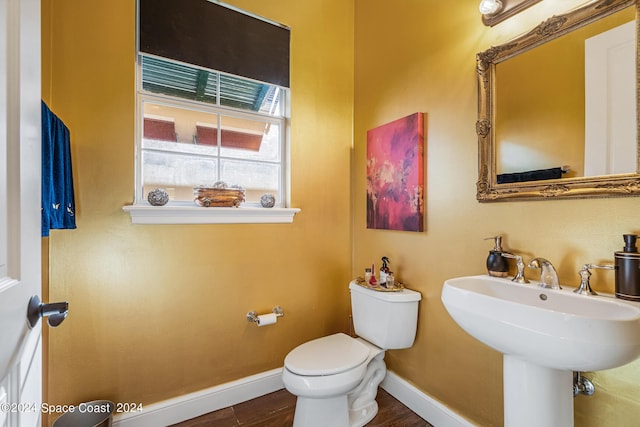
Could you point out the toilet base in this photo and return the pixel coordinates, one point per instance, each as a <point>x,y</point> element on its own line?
<point>348,410</point>
<point>362,400</point>
<point>361,416</point>
<point>312,412</point>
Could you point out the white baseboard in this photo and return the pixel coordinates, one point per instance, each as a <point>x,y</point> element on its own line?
<point>433,411</point>
<point>193,405</point>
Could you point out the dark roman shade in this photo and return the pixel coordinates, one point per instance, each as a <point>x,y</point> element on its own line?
<point>209,35</point>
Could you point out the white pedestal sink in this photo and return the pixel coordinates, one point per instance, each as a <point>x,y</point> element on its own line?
<point>544,336</point>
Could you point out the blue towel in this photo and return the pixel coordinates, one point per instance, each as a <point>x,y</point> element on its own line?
<point>58,205</point>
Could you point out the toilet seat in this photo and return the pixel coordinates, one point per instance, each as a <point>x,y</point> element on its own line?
<point>328,355</point>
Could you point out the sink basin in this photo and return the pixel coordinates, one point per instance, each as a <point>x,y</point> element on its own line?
<point>557,329</point>
<point>544,335</point>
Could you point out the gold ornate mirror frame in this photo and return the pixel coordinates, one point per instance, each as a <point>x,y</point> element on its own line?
<point>488,190</point>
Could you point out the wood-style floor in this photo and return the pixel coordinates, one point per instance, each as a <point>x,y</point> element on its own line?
<point>276,410</point>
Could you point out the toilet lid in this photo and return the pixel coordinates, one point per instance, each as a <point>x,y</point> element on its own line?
<point>326,356</point>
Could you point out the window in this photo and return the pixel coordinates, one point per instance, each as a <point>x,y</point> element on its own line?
<point>201,126</point>
<point>212,93</point>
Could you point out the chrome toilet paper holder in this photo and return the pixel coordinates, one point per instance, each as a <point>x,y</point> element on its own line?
<point>252,316</point>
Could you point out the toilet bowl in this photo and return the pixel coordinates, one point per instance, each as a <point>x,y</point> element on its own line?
<point>325,373</point>
<point>336,378</point>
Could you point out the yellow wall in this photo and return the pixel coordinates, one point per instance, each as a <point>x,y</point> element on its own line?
<point>414,55</point>
<point>159,311</point>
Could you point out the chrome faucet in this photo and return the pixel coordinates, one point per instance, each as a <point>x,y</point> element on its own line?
<point>519,277</point>
<point>548,275</point>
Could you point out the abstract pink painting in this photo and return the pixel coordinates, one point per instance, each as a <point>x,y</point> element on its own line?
<point>395,175</point>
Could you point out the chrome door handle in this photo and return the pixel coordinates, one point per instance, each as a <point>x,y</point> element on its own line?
<point>56,312</point>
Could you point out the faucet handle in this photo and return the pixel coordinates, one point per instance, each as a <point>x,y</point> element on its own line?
<point>519,277</point>
<point>585,274</point>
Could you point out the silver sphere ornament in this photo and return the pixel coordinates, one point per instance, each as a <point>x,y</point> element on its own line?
<point>267,200</point>
<point>158,197</point>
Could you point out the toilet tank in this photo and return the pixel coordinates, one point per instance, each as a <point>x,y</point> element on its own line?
<point>386,319</point>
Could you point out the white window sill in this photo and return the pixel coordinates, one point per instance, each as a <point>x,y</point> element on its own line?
<point>179,214</point>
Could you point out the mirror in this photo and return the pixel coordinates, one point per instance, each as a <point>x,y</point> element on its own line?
<point>537,98</point>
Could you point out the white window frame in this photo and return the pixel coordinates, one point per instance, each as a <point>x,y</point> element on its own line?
<point>175,212</point>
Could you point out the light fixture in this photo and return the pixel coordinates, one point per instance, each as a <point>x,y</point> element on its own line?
<point>495,11</point>
<point>489,7</point>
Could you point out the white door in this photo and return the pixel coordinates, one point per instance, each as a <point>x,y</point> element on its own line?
<point>611,141</point>
<point>20,358</point>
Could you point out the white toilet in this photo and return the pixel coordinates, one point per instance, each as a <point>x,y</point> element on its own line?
<point>336,377</point>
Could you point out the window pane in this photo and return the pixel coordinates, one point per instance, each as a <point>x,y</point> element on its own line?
<point>250,139</point>
<point>272,102</point>
<point>177,173</point>
<point>242,93</point>
<point>201,84</point>
<point>165,126</point>
<point>255,178</point>
<point>179,80</point>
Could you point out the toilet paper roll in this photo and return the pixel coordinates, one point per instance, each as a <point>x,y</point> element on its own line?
<point>267,319</point>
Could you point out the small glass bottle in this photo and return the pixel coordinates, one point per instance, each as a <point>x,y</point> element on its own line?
<point>390,280</point>
<point>367,274</point>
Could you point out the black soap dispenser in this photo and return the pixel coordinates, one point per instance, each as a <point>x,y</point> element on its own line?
<point>627,264</point>
<point>497,265</point>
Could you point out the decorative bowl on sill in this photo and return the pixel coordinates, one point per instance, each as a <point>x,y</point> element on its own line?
<point>218,196</point>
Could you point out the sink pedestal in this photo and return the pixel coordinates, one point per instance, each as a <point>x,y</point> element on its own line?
<point>535,396</point>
